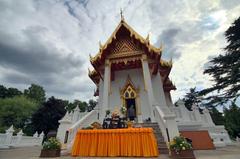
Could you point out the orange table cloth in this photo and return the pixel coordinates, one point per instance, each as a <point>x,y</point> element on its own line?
<point>115,142</point>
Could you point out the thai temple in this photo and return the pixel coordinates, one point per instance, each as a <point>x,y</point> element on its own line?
<point>129,71</point>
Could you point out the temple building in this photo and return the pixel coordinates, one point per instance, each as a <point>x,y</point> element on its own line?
<point>129,71</point>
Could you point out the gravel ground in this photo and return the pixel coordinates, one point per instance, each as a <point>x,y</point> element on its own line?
<point>229,152</point>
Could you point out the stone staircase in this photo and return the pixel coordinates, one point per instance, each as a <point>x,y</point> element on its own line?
<point>162,147</point>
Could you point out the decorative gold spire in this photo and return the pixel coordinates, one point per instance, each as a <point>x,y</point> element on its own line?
<point>148,38</point>
<point>121,14</point>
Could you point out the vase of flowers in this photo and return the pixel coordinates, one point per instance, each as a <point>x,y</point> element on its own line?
<point>51,148</point>
<point>123,111</point>
<point>180,148</point>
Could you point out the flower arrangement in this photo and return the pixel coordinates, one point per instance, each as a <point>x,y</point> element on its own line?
<point>123,110</point>
<point>179,143</point>
<point>52,144</point>
<point>107,112</point>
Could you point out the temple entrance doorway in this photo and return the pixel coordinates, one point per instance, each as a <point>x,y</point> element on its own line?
<point>130,102</point>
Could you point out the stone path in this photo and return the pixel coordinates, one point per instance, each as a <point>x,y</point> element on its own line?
<point>230,152</point>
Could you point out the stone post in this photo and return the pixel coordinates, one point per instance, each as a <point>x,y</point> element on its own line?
<point>148,84</point>
<point>41,137</point>
<point>64,125</point>
<point>76,113</point>
<point>35,134</point>
<point>19,137</point>
<point>9,133</point>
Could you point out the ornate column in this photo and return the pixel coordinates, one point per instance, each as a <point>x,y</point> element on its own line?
<point>148,84</point>
<point>106,83</point>
<point>159,92</point>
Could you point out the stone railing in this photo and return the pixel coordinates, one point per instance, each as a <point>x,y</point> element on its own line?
<point>161,123</point>
<point>83,122</point>
<point>9,140</point>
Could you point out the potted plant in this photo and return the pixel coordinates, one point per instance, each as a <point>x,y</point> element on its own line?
<point>51,148</point>
<point>180,148</point>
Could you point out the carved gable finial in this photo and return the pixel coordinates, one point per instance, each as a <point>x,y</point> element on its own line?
<point>121,14</point>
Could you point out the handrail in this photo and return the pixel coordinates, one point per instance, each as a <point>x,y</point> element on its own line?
<point>161,122</point>
<point>79,124</point>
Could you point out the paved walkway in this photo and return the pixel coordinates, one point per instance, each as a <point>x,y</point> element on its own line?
<point>230,152</point>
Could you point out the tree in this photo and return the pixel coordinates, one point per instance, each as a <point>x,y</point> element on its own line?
<point>13,92</point>
<point>3,91</point>
<point>232,120</point>
<point>191,98</point>
<point>36,93</point>
<point>47,116</point>
<point>217,116</point>
<point>224,68</point>
<point>16,111</point>
<point>9,92</point>
<point>83,106</point>
<point>91,104</point>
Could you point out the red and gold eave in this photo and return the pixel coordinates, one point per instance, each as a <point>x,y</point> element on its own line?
<point>129,60</point>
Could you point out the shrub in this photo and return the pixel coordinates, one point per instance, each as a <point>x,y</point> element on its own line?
<point>52,144</point>
<point>179,143</point>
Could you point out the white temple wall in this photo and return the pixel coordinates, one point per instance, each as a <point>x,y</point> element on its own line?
<point>119,82</point>
<point>168,100</point>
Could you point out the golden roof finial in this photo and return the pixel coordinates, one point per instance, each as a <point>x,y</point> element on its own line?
<point>148,38</point>
<point>100,46</point>
<point>121,13</point>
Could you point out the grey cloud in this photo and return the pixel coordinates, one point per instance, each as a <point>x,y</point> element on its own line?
<point>168,38</point>
<point>34,55</point>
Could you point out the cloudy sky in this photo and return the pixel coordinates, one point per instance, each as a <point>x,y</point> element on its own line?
<point>48,42</point>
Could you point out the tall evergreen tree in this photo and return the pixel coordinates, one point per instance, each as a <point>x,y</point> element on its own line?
<point>191,98</point>
<point>232,120</point>
<point>225,68</point>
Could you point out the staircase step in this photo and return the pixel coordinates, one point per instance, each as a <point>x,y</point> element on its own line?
<point>162,146</point>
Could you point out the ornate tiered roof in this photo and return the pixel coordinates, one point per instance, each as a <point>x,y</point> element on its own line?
<point>124,48</point>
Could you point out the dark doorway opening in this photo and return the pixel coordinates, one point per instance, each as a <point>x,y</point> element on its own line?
<point>131,102</point>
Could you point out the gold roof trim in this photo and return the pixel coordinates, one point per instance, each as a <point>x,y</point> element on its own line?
<point>164,63</point>
<point>132,33</point>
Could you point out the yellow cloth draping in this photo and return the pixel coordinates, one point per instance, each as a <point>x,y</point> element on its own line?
<point>115,142</point>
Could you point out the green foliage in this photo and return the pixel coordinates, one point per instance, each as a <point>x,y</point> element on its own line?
<point>52,144</point>
<point>9,92</point>
<point>83,106</point>
<point>191,98</point>
<point>36,93</point>
<point>217,116</point>
<point>232,120</point>
<point>16,111</point>
<point>224,69</point>
<point>47,116</point>
<point>179,143</point>
<point>91,104</point>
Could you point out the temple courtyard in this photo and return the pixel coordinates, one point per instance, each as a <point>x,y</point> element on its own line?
<point>229,152</point>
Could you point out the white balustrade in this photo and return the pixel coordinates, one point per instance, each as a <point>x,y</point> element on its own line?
<point>8,139</point>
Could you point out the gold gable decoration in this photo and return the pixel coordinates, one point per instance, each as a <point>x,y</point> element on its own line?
<point>125,47</point>
<point>133,33</point>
